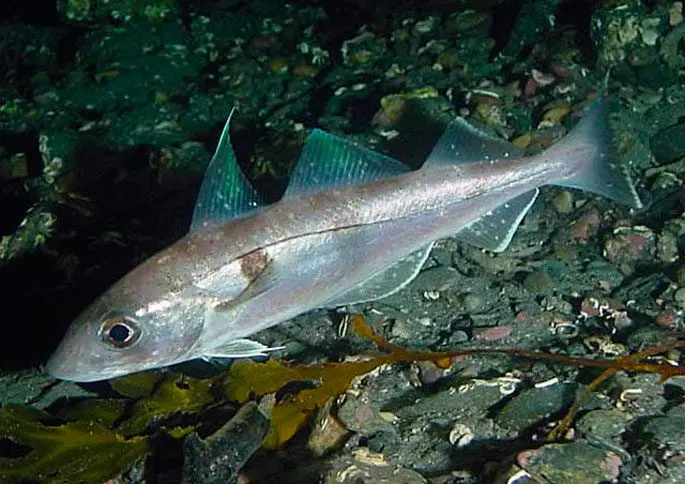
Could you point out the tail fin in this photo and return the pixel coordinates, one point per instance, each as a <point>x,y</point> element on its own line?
<point>600,173</point>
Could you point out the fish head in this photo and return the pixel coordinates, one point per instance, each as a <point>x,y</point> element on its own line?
<point>114,337</point>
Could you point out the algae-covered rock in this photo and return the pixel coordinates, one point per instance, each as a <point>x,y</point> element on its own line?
<point>669,144</point>
<point>532,22</point>
<point>572,462</point>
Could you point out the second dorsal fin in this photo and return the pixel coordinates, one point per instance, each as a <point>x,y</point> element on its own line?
<point>328,161</point>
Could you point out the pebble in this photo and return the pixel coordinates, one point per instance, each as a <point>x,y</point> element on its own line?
<point>563,202</point>
<point>535,404</point>
<point>474,303</point>
<point>538,282</point>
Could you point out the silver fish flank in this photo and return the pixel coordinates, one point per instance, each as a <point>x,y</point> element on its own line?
<point>352,226</point>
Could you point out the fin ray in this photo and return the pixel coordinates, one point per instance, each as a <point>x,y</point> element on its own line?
<point>495,230</point>
<point>328,161</point>
<point>386,282</point>
<point>225,193</point>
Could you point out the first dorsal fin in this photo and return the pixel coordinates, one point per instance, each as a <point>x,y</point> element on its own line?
<point>225,193</point>
<point>462,143</point>
<point>328,161</point>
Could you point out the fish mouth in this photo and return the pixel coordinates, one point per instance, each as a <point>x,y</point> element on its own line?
<point>70,365</point>
<point>57,369</point>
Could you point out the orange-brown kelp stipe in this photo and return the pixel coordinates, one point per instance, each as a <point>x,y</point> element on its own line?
<point>247,379</point>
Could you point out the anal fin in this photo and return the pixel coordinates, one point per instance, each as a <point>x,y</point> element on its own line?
<point>495,230</point>
<point>386,282</point>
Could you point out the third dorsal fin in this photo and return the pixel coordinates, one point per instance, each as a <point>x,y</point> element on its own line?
<point>462,143</point>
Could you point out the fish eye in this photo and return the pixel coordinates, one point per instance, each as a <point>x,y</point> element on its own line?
<point>119,331</point>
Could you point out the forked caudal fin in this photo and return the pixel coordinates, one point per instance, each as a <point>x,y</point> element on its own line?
<point>587,149</point>
<point>589,146</point>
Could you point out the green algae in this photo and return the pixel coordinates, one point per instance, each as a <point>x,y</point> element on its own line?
<point>103,411</point>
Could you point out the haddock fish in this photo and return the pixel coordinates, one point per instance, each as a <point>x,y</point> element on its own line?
<point>353,226</point>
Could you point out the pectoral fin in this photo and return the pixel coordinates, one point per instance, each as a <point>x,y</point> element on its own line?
<point>239,348</point>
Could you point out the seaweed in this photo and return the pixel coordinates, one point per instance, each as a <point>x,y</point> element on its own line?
<point>161,397</point>
<point>81,451</point>
<point>101,437</point>
<point>247,379</point>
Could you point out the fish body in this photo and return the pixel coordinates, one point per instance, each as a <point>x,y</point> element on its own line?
<point>353,226</point>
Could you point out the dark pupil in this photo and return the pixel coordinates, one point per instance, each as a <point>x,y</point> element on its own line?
<point>119,333</point>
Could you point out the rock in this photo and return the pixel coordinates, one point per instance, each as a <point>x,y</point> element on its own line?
<point>563,202</point>
<point>572,462</point>
<point>665,433</point>
<point>328,433</point>
<point>37,389</point>
<point>603,423</point>
<point>363,417</point>
<point>474,303</point>
<point>669,144</point>
<point>366,467</point>
<point>629,246</point>
<point>219,457</point>
<point>535,404</point>
<point>538,282</point>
